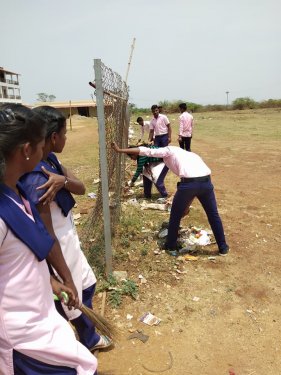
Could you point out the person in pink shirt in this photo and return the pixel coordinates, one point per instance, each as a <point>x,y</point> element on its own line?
<point>34,338</point>
<point>185,127</point>
<point>160,128</point>
<point>195,181</point>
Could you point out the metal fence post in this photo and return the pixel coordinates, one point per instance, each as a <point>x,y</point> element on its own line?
<point>103,166</point>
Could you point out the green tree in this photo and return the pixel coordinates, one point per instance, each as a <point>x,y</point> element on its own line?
<point>244,103</point>
<point>43,97</point>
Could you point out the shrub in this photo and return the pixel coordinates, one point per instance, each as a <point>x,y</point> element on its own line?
<point>244,103</point>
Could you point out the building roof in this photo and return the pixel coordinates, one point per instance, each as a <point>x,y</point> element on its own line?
<point>76,104</point>
<point>8,71</point>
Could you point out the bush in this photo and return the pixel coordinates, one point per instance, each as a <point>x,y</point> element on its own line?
<point>270,103</point>
<point>244,103</point>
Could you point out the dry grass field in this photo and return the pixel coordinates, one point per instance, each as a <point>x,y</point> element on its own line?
<point>234,326</point>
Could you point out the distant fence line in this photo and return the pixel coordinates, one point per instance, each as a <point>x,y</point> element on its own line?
<point>113,118</point>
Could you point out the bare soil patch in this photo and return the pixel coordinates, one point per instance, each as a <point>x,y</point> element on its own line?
<point>233,327</point>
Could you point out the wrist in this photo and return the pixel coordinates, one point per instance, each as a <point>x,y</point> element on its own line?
<point>66,181</point>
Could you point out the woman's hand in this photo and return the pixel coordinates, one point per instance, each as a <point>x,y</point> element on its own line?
<point>53,185</point>
<point>75,300</point>
<point>58,288</point>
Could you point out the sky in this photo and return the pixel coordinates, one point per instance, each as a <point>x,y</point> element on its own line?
<point>189,50</point>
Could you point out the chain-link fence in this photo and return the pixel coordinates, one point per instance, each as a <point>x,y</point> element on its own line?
<point>116,124</point>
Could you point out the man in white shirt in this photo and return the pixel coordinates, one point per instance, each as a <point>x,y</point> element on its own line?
<point>160,128</point>
<point>195,181</point>
<point>145,127</point>
<point>185,127</point>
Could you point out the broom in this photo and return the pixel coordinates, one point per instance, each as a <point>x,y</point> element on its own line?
<point>102,325</point>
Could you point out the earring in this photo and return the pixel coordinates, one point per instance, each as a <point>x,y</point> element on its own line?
<point>27,158</point>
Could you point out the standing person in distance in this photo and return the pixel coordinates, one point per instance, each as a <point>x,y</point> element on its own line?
<point>34,338</point>
<point>186,123</point>
<point>195,181</point>
<point>144,128</point>
<point>160,128</point>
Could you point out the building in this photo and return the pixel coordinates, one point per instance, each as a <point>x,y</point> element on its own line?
<point>9,87</point>
<point>87,108</point>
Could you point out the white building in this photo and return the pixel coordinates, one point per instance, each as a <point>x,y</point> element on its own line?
<point>9,87</point>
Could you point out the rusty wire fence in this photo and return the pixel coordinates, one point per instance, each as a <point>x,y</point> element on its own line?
<point>113,118</point>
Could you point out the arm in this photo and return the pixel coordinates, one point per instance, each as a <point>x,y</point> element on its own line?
<point>180,129</point>
<point>131,151</point>
<point>169,133</point>
<point>141,162</point>
<point>155,152</point>
<point>56,182</point>
<point>151,133</point>
<point>55,257</point>
<point>58,288</point>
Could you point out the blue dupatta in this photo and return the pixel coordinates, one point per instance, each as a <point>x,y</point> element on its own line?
<point>37,177</point>
<point>32,233</point>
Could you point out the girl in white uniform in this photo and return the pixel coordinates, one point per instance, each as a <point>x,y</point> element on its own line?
<point>59,182</point>
<point>34,338</point>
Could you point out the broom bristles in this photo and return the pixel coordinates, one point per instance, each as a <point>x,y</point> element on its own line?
<point>102,324</point>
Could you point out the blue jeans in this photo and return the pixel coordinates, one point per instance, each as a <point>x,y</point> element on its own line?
<point>185,194</point>
<point>159,184</point>
<point>161,140</point>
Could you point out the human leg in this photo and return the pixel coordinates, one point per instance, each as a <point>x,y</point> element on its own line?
<point>181,143</point>
<point>84,327</point>
<point>157,140</point>
<point>164,140</point>
<point>160,182</point>
<point>147,186</point>
<point>187,142</point>
<point>208,200</point>
<point>181,202</point>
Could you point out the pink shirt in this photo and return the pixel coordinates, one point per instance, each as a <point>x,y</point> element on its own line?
<point>181,162</point>
<point>29,322</point>
<point>159,124</point>
<point>186,124</point>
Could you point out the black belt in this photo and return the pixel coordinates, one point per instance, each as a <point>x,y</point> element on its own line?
<point>196,179</point>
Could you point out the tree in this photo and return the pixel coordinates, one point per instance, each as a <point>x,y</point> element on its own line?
<point>43,97</point>
<point>244,103</point>
<point>51,98</point>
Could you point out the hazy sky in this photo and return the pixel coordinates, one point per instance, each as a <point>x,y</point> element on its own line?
<point>193,50</point>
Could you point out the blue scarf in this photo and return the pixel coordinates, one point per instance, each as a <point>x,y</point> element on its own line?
<point>63,198</point>
<point>32,233</point>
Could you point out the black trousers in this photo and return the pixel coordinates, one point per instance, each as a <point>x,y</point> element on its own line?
<point>185,143</point>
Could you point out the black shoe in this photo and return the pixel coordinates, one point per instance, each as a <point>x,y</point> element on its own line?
<point>224,252</point>
<point>173,253</point>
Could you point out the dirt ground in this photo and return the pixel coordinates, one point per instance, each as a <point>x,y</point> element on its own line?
<point>233,324</point>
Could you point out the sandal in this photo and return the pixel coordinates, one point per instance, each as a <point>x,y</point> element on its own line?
<point>103,343</point>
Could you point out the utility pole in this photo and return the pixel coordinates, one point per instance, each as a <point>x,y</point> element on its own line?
<point>130,59</point>
<point>227,92</point>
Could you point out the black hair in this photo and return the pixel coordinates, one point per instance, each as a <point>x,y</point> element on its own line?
<point>18,125</point>
<point>183,106</point>
<point>139,119</point>
<point>54,118</point>
<point>154,106</point>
